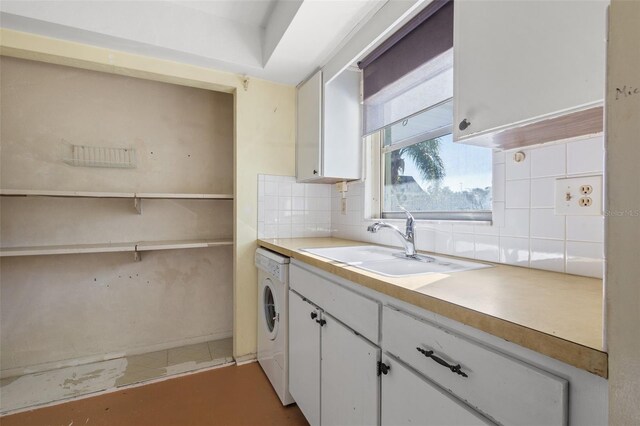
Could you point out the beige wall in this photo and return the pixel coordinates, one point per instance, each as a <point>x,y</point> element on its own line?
<point>623,223</point>
<point>264,142</point>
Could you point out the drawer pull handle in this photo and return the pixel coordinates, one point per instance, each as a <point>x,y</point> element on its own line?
<point>454,368</point>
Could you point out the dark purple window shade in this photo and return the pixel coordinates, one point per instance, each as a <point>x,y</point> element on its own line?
<point>427,35</point>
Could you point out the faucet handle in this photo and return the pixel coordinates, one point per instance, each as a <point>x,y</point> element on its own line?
<point>410,222</point>
<point>409,215</point>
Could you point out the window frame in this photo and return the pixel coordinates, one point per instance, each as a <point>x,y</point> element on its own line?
<point>476,216</point>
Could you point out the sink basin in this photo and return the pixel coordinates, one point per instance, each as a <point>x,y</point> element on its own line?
<point>392,262</point>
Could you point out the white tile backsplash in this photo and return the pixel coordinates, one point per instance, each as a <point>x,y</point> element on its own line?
<point>287,209</point>
<point>547,254</point>
<point>521,170</point>
<point>464,245</point>
<point>525,230</point>
<point>516,223</point>
<point>549,161</point>
<point>542,192</point>
<point>585,156</point>
<point>498,188</point>
<point>514,251</point>
<point>585,258</point>
<point>517,194</point>
<point>487,247</point>
<point>585,228</point>
<point>546,224</point>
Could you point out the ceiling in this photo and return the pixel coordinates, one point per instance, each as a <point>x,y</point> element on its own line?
<point>248,12</point>
<point>278,40</point>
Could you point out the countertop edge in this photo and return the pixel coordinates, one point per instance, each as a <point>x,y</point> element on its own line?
<point>575,354</point>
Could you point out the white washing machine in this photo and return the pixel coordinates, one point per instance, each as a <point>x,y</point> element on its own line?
<point>273,333</point>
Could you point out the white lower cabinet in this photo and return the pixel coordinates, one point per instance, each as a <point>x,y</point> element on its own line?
<point>332,369</point>
<point>508,390</point>
<point>434,371</point>
<point>348,381</point>
<point>410,399</point>
<point>304,357</point>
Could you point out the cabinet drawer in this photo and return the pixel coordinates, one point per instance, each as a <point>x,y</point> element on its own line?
<point>409,399</point>
<point>355,310</point>
<point>504,388</point>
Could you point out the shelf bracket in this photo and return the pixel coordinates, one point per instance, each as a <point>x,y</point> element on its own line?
<point>137,256</point>
<point>137,203</point>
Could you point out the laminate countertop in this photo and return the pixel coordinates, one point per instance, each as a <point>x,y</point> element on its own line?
<point>558,315</point>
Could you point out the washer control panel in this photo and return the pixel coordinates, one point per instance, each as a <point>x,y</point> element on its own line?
<point>278,269</point>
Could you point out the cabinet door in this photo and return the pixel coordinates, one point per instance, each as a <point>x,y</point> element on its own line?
<point>304,357</point>
<point>517,61</point>
<point>309,129</point>
<point>409,399</point>
<point>342,130</point>
<point>349,380</point>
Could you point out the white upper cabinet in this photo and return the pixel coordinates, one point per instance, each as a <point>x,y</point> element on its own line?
<point>309,129</point>
<point>328,145</point>
<point>522,62</point>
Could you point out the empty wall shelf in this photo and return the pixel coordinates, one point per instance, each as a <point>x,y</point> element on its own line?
<point>181,244</point>
<point>135,247</point>
<point>67,249</point>
<point>90,194</point>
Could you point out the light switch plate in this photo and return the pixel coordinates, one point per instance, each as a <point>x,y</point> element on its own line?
<point>579,196</point>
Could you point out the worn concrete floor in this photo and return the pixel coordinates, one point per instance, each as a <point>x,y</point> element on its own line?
<point>32,390</point>
<point>224,396</point>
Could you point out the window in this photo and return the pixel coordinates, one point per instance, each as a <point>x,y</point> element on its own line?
<point>425,172</point>
<point>407,116</point>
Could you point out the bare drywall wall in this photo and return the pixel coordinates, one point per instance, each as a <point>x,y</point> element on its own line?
<point>623,212</point>
<point>183,136</point>
<point>74,308</point>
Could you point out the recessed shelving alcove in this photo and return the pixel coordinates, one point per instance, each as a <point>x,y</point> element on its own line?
<point>87,273</point>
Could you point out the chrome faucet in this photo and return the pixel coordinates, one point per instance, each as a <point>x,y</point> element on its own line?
<point>408,239</point>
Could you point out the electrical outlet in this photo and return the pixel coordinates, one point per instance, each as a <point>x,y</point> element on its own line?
<point>586,189</point>
<point>585,201</point>
<point>579,196</point>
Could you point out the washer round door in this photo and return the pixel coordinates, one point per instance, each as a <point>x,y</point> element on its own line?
<point>270,309</point>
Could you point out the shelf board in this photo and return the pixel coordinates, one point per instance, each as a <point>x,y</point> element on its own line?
<point>67,249</point>
<point>112,247</point>
<point>181,244</point>
<point>77,194</point>
<point>185,196</point>
<point>89,194</point>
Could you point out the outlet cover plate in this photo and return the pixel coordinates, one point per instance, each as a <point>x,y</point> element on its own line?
<point>568,196</point>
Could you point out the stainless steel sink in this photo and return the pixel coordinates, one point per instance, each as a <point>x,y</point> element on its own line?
<point>392,262</point>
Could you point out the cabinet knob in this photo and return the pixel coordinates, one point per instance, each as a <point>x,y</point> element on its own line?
<point>464,124</point>
<point>314,315</point>
<point>321,322</point>
<point>315,172</point>
<point>383,368</point>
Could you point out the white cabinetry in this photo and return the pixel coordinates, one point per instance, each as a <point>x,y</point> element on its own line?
<point>438,371</point>
<point>409,399</point>
<point>349,379</point>
<point>309,129</point>
<point>488,380</point>
<point>328,144</point>
<point>332,367</point>
<point>304,357</point>
<point>519,62</point>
